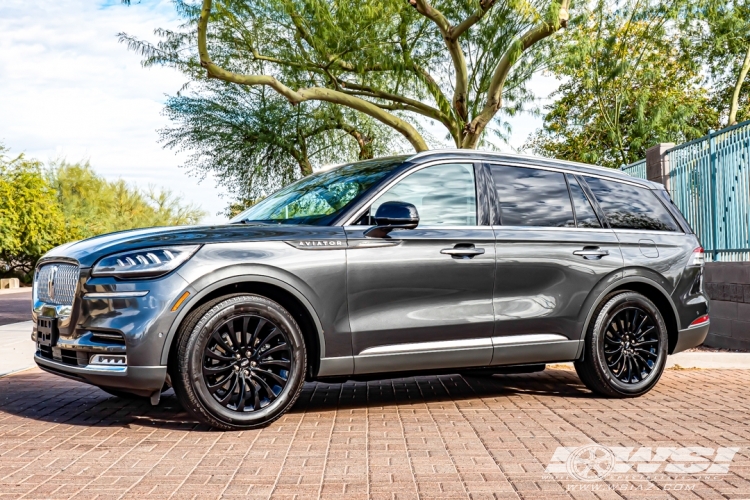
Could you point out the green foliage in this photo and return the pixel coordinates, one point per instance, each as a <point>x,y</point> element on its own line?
<point>41,208</point>
<point>718,33</point>
<point>93,205</point>
<point>32,221</point>
<point>463,65</point>
<point>254,143</point>
<point>626,86</point>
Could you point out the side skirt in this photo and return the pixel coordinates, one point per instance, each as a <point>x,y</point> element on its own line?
<point>467,353</point>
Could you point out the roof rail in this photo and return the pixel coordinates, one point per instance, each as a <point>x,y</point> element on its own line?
<point>509,155</point>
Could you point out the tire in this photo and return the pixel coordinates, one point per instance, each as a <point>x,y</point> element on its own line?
<point>625,348</point>
<point>240,362</point>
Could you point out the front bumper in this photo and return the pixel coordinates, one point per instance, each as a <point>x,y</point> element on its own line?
<point>691,337</point>
<point>142,380</point>
<point>109,317</point>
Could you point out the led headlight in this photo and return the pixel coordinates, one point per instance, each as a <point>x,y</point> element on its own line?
<point>145,263</point>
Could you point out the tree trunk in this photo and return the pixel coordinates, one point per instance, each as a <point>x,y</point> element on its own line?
<point>738,86</point>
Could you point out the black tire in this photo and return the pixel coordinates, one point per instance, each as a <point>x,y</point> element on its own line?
<point>625,349</point>
<point>240,362</point>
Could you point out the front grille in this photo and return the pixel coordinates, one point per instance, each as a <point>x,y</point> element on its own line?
<point>56,283</point>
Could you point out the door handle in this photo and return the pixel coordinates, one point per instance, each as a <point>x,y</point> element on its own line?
<point>463,251</point>
<point>591,253</point>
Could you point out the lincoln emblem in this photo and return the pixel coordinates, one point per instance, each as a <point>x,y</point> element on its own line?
<point>51,282</point>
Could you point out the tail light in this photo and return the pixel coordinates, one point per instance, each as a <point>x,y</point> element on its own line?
<point>700,320</point>
<point>698,258</point>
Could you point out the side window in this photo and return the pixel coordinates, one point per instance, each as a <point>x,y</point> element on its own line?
<point>532,197</point>
<point>445,195</point>
<point>631,207</point>
<point>585,215</point>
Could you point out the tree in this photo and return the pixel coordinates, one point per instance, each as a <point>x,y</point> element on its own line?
<point>93,205</point>
<point>395,61</point>
<point>32,222</point>
<point>253,143</point>
<point>720,31</point>
<point>626,86</point>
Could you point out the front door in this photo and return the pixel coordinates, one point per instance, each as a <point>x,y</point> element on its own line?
<point>552,250</point>
<point>422,298</point>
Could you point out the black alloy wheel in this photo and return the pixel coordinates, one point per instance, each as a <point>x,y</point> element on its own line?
<point>246,362</point>
<point>625,348</point>
<point>631,345</point>
<point>240,362</point>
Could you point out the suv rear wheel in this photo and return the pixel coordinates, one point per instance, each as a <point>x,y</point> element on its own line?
<point>625,347</point>
<point>240,362</point>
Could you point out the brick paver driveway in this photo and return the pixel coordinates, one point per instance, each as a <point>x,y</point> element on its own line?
<point>425,437</point>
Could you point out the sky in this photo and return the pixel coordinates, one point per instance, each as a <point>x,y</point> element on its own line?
<point>69,89</point>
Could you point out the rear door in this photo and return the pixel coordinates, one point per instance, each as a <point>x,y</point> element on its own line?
<point>551,250</point>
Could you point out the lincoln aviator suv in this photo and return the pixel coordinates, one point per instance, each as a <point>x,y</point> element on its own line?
<point>446,261</point>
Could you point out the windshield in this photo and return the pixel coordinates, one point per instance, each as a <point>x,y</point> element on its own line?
<point>318,198</point>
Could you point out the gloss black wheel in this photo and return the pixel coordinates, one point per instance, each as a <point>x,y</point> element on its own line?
<point>631,345</point>
<point>246,362</point>
<point>240,362</point>
<point>625,347</point>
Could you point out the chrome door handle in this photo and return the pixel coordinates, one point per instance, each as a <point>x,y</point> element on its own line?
<point>462,251</point>
<point>591,253</point>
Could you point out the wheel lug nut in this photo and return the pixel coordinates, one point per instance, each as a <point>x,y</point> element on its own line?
<point>237,356</point>
<point>253,363</point>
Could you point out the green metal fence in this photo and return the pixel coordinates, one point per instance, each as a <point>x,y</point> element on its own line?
<point>637,169</point>
<point>709,180</point>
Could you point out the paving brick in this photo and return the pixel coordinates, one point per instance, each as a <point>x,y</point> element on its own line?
<point>419,437</point>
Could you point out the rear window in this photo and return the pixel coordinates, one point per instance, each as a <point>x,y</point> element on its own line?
<point>532,197</point>
<point>631,207</point>
<point>662,193</point>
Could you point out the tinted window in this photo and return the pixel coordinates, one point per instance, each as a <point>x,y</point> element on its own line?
<point>318,198</point>
<point>631,207</point>
<point>532,197</point>
<point>444,195</point>
<point>661,193</point>
<point>585,215</point>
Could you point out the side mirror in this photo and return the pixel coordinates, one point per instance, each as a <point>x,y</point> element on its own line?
<point>393,215</point>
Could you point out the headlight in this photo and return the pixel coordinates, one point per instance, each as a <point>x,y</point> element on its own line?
<point>146,263</point>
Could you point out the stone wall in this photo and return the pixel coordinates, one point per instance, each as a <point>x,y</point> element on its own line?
<point>727,285</point>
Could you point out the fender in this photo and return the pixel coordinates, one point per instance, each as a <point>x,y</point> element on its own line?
<point>198,290</point>
<point>636,275</point>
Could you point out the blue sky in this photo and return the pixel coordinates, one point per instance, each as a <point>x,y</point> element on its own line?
<point>69,90</point>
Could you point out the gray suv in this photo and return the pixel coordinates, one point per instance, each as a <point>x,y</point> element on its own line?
<point>456,261</point>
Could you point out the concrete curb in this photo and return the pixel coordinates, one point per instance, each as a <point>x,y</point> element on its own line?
<point>16,348</point>
<point>9,291</point>
<point>693,361</point>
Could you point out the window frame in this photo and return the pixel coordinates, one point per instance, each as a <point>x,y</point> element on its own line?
<point>481,195</point>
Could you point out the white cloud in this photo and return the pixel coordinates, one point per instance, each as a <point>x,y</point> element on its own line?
<point>69,89</point>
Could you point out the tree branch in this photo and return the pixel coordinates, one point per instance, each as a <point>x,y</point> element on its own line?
<point>515,50</point>
<point>735,104</point>
<point>460,94</point>
<point>484,7</point>
<point>301,95</point>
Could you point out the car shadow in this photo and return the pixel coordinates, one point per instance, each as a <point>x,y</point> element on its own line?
<point>43,397</point>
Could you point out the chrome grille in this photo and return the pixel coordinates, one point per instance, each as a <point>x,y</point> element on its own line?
<point>56,283</point>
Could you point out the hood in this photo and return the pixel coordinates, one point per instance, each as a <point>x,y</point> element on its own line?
<point>88,251</point>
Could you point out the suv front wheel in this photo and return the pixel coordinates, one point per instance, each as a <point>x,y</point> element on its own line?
<point>240,362</point>
<point>625,347</point>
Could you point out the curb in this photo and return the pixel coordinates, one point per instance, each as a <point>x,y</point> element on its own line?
<point>11,291</point>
